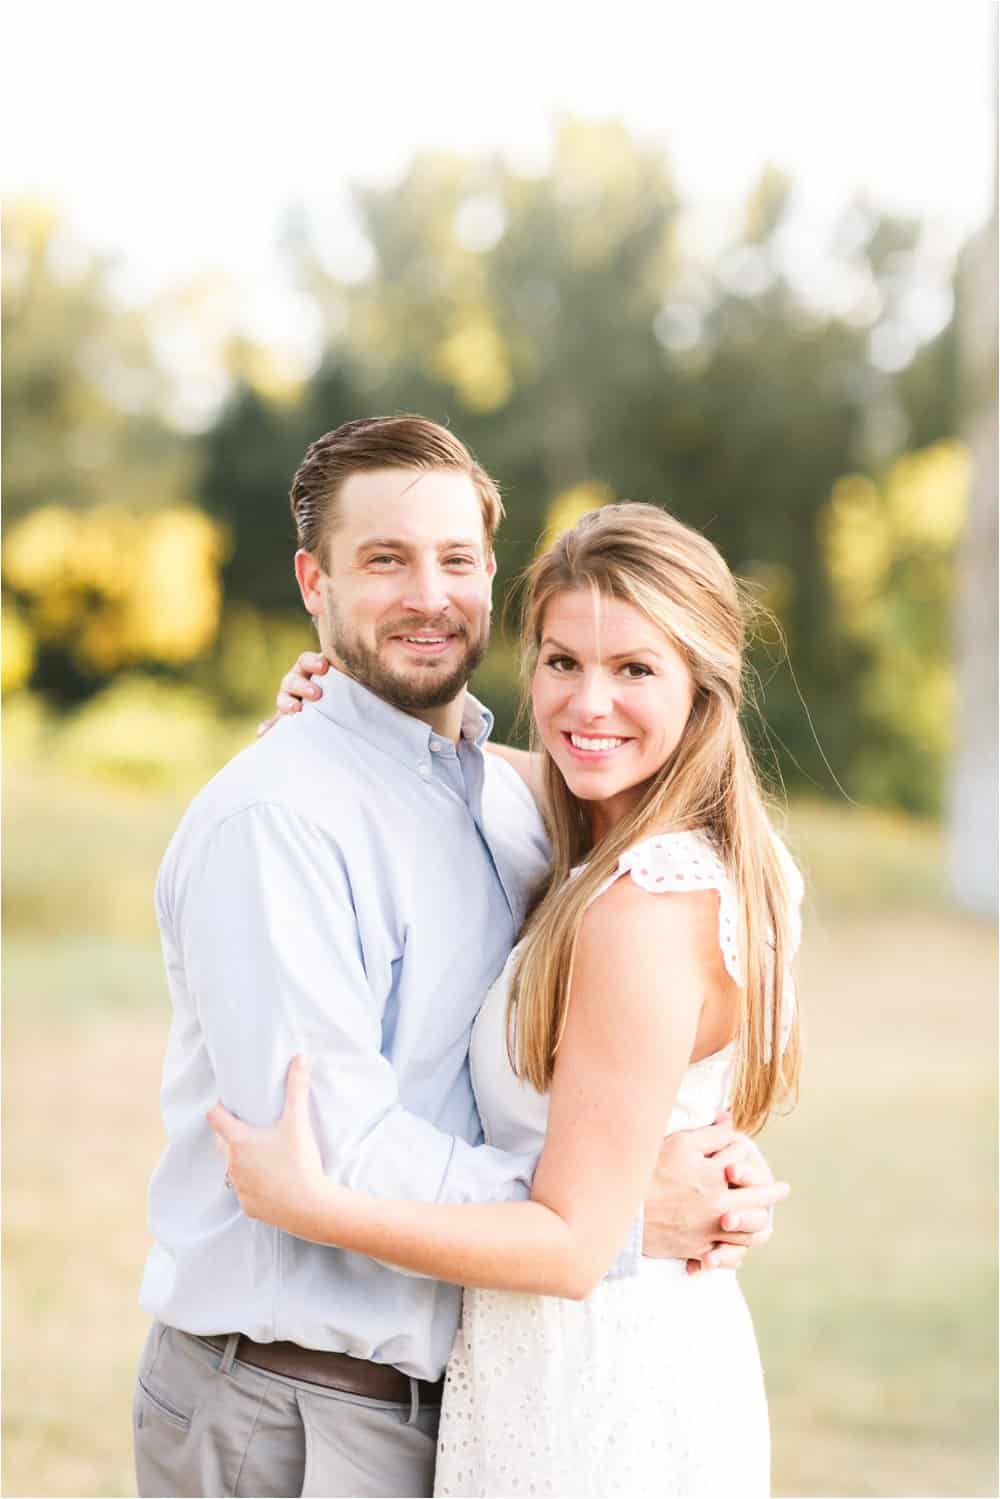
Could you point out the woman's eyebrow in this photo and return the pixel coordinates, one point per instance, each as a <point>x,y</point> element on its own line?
<point>641,650</point>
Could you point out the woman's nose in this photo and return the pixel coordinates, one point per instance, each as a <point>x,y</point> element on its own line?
<point>593,696</point>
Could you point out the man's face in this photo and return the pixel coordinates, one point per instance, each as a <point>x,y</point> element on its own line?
<point>404,604</point>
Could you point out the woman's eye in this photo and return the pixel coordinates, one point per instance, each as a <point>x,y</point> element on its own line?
<point>560,663</point>
<point>635,671</point>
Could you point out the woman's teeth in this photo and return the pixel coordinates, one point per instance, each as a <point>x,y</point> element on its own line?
<point>595,745</point>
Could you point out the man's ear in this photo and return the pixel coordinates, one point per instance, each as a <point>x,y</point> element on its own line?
<point>309,576</point>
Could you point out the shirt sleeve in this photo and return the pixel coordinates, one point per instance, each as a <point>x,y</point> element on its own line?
<point>274,960</point>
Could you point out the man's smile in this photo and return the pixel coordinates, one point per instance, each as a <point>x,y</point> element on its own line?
<point>426,643</point>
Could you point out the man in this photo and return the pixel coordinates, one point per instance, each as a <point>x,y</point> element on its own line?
<point>350,887</point>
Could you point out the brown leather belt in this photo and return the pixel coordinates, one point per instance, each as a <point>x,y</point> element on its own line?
<point>336,1371</point>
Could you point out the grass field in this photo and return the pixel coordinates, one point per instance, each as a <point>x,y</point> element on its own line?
<point>875,1303</point>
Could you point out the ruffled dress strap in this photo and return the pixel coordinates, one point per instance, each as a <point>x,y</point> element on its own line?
<point>685,862</point>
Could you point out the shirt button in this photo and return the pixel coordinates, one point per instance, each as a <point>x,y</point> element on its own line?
<point>423,770</point>
<point>435,746</point>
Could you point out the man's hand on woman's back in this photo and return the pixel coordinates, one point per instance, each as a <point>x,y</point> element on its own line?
<point>710,1199</point>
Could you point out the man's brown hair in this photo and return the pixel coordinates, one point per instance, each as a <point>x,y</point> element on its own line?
<point>379,442</point>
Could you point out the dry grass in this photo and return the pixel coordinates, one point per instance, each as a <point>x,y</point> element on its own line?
<point>876,1301</point>
<point>875,1304</point>
<point>81,1102</point>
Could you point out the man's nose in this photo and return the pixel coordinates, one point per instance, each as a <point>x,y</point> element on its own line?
<point>427,590</point>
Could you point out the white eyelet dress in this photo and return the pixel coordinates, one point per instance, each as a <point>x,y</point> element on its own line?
<point>652,1385</point>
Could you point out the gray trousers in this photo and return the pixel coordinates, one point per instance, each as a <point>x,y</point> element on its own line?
<point>207,1425</point>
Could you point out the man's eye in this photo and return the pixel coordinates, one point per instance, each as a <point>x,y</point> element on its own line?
<point>560,663</point>
<point>636,670</point>
<point>381,560</point>
<point>460,561</point>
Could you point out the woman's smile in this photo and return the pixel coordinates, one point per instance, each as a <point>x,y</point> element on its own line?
<point>594,747</point>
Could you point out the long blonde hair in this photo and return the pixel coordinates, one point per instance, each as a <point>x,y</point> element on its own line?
<point>676,578</point>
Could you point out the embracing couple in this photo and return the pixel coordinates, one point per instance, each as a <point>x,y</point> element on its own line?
<point>465,1017</point>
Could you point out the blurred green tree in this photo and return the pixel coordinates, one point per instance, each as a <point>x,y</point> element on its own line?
<point>576,331</point>
<point>250,455</point>
<point>85,394</point>
<point>97,482</point>
<point>890,550</point>
<point>573,331</point>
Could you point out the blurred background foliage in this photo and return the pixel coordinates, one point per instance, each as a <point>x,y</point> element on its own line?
<point>567,327</point>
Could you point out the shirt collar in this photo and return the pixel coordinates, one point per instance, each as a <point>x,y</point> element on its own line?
<point>407,739</point>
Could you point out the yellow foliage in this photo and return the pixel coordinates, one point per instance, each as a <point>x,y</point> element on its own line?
<point>104,552</point>
<point>567,508</point>
<point>927,493</point>
<point>174,613</point>
<point>857,539</point>
<point>18,649</point>
<point>39,548</point>
<point>277,377</point>
<point>115,587</point>
<point>474,360</point>
<point>919,509</point>
<point>890,551</point>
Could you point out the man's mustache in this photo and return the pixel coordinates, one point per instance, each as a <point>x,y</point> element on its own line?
<point>411,626</point>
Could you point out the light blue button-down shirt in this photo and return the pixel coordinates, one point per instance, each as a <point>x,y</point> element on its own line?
<point>349,886</point>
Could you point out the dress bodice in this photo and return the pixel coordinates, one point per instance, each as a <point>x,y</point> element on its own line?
<point>513,1114</point>
<point>624,1392</point>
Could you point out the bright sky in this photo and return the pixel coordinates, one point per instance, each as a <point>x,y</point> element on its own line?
<point>177,136</point>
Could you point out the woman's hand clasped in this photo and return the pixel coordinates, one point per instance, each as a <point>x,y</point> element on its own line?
<point>297,686</point>
<point>275,1170</point>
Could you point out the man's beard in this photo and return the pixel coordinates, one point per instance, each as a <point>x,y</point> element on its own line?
<point>409,692</point>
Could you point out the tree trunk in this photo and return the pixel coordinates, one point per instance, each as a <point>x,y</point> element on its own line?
<point>973,799</point>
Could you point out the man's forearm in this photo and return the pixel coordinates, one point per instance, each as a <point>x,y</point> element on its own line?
<point>387,1156</point>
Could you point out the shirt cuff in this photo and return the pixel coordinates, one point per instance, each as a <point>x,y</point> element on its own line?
<point>485,1174</point>
<point>627,1263</point>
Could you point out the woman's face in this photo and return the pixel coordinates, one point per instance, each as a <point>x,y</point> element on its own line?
<point>611,698</point>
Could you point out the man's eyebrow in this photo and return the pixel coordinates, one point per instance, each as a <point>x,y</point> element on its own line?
<point>396,543</point>
<point>380,541</point>
<point>641,650</point>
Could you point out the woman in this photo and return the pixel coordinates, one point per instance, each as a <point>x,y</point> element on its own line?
<point>649,988</point>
